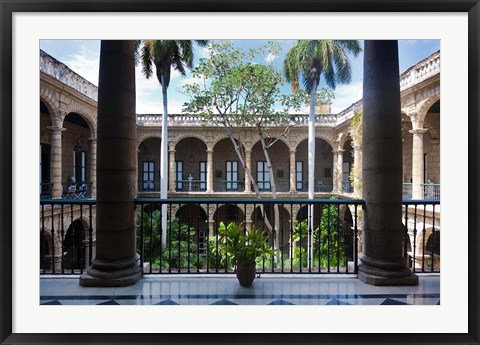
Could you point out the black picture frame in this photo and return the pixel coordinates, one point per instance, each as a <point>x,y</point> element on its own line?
<point>8,7</point>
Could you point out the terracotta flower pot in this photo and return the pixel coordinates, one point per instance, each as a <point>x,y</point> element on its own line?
<point>246,275</point>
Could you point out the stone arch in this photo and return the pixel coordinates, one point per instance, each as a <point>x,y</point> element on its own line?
<point>51,99</point>
<point>88,114</point>
<point>148,163</point>
<point>73,248</point>
<point>279,155</point>
<point>223,152</point>
<point>228,213</point>
<point>318,135</point>
<point>144,135</point>
<point>423,110</point>
<point>192,152</point>
<point>324,169</point>
<point>178,139</point>
<point>283,233</point>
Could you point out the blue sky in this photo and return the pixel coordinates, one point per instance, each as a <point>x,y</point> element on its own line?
<point>82,56</point>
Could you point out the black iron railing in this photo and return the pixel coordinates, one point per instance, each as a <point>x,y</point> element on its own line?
<point>302,242</point>
<point>422,235</point>
<point>326,241</point>
<point>66,235</point>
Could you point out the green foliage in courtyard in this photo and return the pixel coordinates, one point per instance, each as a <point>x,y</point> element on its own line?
<point>181,247</point>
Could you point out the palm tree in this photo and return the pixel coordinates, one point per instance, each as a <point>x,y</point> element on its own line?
<point>165,55</point>
<point>308,60</point>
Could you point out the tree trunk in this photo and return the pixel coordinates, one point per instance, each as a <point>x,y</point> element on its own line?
<point>164,160</point>
<point>311,164</point>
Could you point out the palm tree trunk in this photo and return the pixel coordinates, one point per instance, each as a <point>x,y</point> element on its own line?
<point>164,162</point>
<point>311,164</point>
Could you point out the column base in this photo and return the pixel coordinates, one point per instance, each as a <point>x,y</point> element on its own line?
<point>112,273</point>
<point>385,273</point>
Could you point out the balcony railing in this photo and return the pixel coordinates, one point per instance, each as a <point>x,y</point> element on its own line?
<point>431,191</point>
<point>326,242</point>
<point>422,235</point>
<point>193,243</point>
<point>66,235</point>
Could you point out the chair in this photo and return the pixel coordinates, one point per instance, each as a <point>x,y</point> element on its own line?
<point>71,192</point>
<point>82,190</point>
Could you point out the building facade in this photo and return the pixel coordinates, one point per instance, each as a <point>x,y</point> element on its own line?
<point>203,163</point>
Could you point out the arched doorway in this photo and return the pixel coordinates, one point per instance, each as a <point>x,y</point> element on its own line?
<point>323,179</point>
<point>191,165</point>
<point>229,175</point>
<point>149,165</point>
<point>75,151</point>
<point>73,249</point>
<point>279,156</point>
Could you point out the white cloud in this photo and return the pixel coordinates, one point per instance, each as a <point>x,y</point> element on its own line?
<point>345,95</point>
<point>270,57</point>
<point>85,64</point>
<point>143,85</point>
<point>144,106</point>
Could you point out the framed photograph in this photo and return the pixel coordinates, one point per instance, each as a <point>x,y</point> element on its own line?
<point>452,317</point>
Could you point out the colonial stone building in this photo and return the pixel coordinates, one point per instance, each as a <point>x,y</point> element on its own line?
<point>203,163</point>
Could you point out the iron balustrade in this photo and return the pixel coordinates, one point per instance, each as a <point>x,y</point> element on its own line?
<point>421,246</point>
<point>326,243</point>
<point>66,235</point>
<point>323,242</point>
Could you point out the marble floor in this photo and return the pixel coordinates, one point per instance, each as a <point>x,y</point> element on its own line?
<point>225,290</point>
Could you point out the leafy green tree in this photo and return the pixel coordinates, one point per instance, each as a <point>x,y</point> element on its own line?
<point>165,55</point>
<point>181,249</point>
<point>234,93</point>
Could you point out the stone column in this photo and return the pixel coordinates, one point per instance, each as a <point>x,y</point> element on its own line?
<point>248,162</point>
<point>293,172</point>
<point>93,166</point>
<point>171,171</point>
<point>56,162</point>
<point>417,163</point>
<point>338,174</point>
<point>334,172</point>
<point>357,172</point>
<point>116,262</point>
<point>209,171</point>
<point>382,262</point>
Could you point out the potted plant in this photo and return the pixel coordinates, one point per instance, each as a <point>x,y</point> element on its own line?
<point>244,247</point>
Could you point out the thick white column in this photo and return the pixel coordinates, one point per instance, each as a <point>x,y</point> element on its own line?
<point>56,162</point>
<point>248,162</point>
<point>338,173</point>
<point>417,163</point>
<point>357,172</point>
<point>93,166</point>
<point>293,172</point>
<point>209,171</point>
<point>171,171</point>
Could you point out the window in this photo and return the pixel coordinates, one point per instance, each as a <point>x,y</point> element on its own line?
<point>232,176</point>
<point>299,175</point>
<point>80,166</point>
<point>148,176</point>
<point>263,176</point>
<point>203,176</point>
<point>178,175</point>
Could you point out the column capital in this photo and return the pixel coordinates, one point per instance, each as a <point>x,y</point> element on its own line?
<point>292,151</point>
<point>209,150</point>
<point>56,129</point>
<point>339,151</point>
<point>418,130</point>
<point>171,150</point>
<point>92,139</point>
